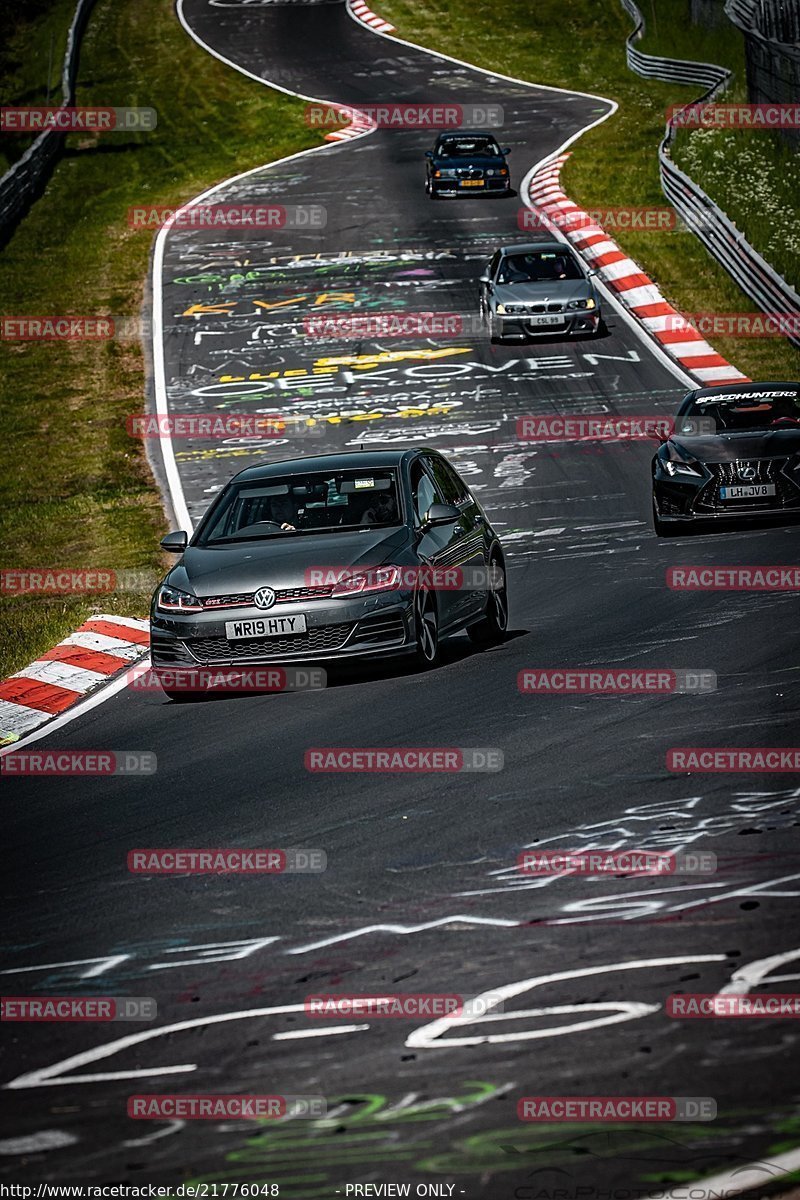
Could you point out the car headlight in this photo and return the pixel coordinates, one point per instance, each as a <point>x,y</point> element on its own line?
<point>171,599</point>
<point>444,174</point>
<point>682,468</point>
<point>374,579</point>
<point>497,171</point>
<point>502,309</point>
<point>511,310</point>
<point>582,303</point>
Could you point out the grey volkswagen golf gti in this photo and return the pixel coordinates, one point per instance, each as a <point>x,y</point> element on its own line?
<point>539,288</point>
<point>358,554</point>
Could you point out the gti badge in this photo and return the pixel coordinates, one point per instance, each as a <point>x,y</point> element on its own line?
<point>746,473</point>
<point>264,597</point>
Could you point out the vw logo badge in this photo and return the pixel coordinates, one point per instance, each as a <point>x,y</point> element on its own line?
<point>264,597</point>
<point>747,473</point>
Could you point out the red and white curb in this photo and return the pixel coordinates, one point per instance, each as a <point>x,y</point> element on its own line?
<point>360,123</point>
<point>362,12</point>
<point>635,290</point>
<point>99,649</point>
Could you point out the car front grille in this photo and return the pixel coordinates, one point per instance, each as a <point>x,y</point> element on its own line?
<point>469,173</point>
<point>314,641</point>
<point>767,470</point>
<point>548,306</point>
<point>282,596</point>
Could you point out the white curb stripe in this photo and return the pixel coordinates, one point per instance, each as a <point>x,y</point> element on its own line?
<point>77,679</point>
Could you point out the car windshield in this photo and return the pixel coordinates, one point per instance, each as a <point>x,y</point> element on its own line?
<point>318,502</point>
<point>538,267</point>
<point>757,410</point>
<point>469,148</point>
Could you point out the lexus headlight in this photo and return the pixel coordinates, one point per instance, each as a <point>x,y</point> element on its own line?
<point>171,599</point>
<point>682,468</point>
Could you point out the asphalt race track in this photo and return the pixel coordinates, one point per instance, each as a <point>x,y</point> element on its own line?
<point>421,892</point>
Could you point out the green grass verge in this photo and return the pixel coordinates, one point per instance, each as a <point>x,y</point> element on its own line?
<point>754,177</point>
<point>75,490</point>
<point>31,58</point>
<point>582,46</point>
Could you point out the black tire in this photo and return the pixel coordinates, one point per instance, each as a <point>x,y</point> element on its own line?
<point>494,337</point>
<point>493,628</point>
<point>426,629</point>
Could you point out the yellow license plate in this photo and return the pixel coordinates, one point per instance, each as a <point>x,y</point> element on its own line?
<point>472,183</point>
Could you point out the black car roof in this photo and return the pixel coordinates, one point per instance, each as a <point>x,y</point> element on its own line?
<point>340,461</point>
<point>746,389</point>
<point>534,247</point>
<point>452,133</point>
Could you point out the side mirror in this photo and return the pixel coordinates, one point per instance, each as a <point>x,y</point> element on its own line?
<point>429,154</point>
<point>506,150</point>
<point>485,278</point>
<point>440,514</point>
<point>591,273</point>
<point>175,543</point>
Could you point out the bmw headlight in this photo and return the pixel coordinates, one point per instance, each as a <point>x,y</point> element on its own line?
<point>582,303</point>
<point>171,599</point>
<point>509,309</point>
<point>445,174</point>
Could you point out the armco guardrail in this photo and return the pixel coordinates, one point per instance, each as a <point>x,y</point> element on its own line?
<point>711,226</point>
<point>23,182</point>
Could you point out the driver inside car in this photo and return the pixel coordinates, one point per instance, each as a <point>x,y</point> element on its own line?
<point>382,510</point>
<point>284,512</point>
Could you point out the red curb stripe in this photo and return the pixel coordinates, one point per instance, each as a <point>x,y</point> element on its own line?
<point>706,360</point>
<point>668,336</point>
<point>591,239</point>
<point>46,697</point>
<point>659,309</point>
<point>626,282</point>
<point>125,633</point>
<point>605,260</point>
<point>90,660</point>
